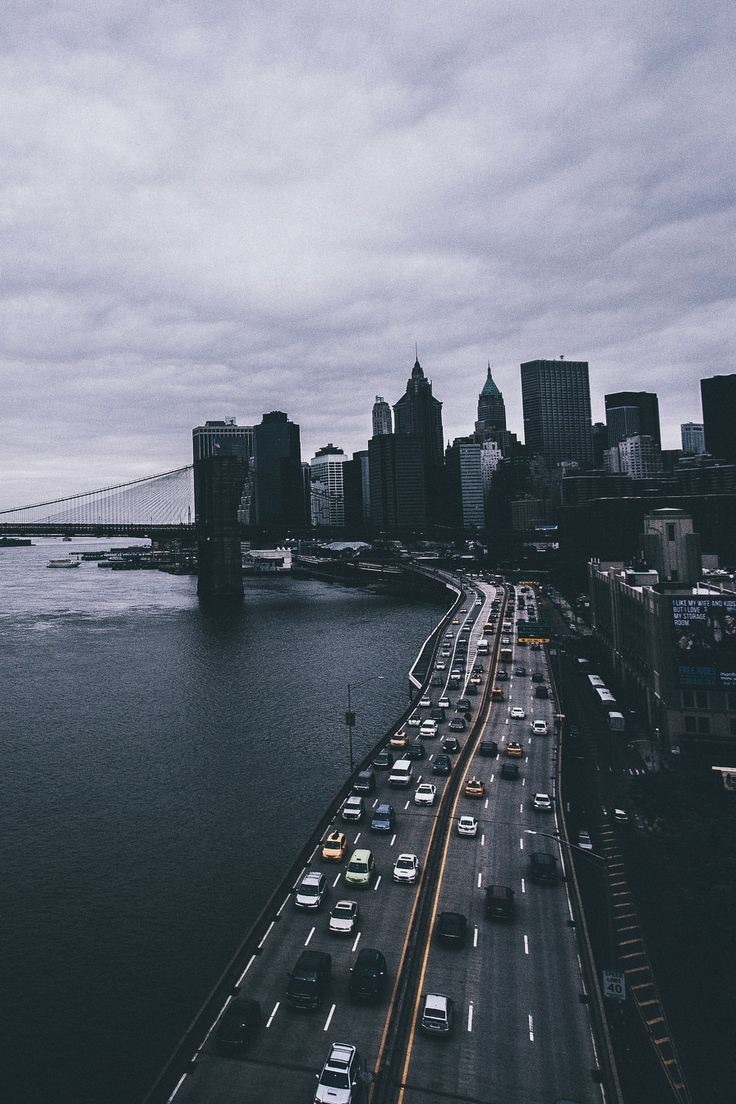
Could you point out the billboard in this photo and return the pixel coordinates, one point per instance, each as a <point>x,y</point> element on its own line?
<point>705,641</point>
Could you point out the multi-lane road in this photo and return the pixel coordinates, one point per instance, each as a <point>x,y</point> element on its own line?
<point>523,1033</point>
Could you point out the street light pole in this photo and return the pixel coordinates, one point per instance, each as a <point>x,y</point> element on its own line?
<point>350,716</point>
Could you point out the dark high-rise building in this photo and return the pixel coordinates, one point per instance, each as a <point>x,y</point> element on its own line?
<point>718,395</point>
<point>397,482</point>
<point>491,410</point>
<point>555,397</point>
<point>279,493</point>
<point>382,421</point>
<point>221,451</point>
<point>418,414</point>
<point>600,443</point>
<point>632,413</point>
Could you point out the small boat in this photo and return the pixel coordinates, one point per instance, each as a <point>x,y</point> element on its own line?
<point>63,563</point>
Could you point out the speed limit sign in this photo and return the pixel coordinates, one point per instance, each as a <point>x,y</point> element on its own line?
<point>614,985</point>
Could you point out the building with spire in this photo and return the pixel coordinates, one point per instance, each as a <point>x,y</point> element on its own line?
<point>382,421</point>
<point>491,411</point>
<point>418,414</point>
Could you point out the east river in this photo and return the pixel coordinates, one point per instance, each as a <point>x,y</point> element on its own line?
<point>162,764</point>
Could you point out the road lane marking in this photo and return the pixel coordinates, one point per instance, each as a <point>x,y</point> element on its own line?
<point>526,944</point>
<point>531,1029</point>
<point>327,1021</point>
<point>286,900</point>
<point>337,879</point>
<point>356,839</point>
<point>470,1016</point>
<point>521,844</point>
<point>406,806</point>
<point>475,937</point>
<point>485,804</point>
<point>483,839</point>
<point>266,935</point>
<point>313,854</point>
<point>355,944</point>
<point>378,882</point>
<point>521,806</point>
<point>393,840</point>
<point>251,960</point>
<point>306,941</point>
<point>523,781</point>
<point>480,878</point>
<point>492,777</point>
<point>275,1010</point>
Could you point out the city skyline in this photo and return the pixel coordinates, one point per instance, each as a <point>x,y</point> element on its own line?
<point>213,214</point>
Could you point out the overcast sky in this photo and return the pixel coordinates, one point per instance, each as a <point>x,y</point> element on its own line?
<point>223,208</point>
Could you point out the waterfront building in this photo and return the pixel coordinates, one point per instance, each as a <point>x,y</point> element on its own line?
<point>220,471</point>
<point>226,438</point>
<point>693,438</point>
<point>555,397</point>
<point>327,488</point>
<point>397,482</point>
<point>382,420</point>
<point>629,413</point>
<point>279,489</point>
<point>491,410</point>
<point>718,396</point>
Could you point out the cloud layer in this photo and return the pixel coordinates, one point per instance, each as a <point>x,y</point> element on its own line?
<point>225,209</point>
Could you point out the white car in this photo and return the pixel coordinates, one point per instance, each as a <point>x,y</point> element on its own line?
<point>539,728</point>
<point>425,794</point>
<point>467,826</point>
<point>584,841</point>
<point>518,713</point>
<point>339,1081</point>
<point>542,802</point>
<point>406,868</point>
<point>440,665</point>
<point>620,816</point>
<point>414,721</point>
<point>425,701</point>
<point>444,702</point>
<point>343,917</point>
<point>428,729</point>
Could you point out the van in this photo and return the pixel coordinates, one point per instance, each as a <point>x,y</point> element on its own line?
<point>402,773</point>
<point>353,808</point>
<point>309,979</point>
<point>361,868</point>
<point>499,902</point>
<point>482,647</point>
<point>365,783</point>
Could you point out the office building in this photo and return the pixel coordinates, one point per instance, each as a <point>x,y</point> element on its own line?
<point>464,484</point>
<point>555,397</point>
<point>629,413</point>
<point>639,456</point>
<point>221,451</point>
<point>327,488</point>
<point>382,421</point>
<point>397,482</point>
<point>693,438</point>
<point>279,489</point>
<point>491,411</point>
<point>718,395</point>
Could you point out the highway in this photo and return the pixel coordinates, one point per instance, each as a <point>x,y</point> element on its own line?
<point>523,1033</point>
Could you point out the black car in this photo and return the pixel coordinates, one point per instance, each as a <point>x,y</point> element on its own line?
<point>384,818</point>
<point>451,929</point>
<point>309,979</point>
<point>502,676</point>
<point>442,765</point>
<point>520,671</point>
<point>463,705</point>
<point>415,751</point>
<point>543,867</point>
<point>499,903</point>
<point>383,760</point>
<point>489,748</point>
<point>451,745</point>
<point>457,724</point>
<point>510,770</point>
<point>368,975</point>
<point>238,1024</point>
<point>478,668</point>
<point>471,689</point>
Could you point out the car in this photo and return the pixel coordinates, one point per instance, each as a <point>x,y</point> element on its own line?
<point>449,635</point>
<point>365,782</point>
<point>451,929</point>
<point>517,713</point>
<point>502,675</point>
<point>475,788</point>
<point>471,689</point>
<point>237,1026</point>
<point>463,705</point>
<point>339,1081</point>
<point>456,620</point>
<point>428,729</point>
<point>510,771</point>
<point>311,891</point>
<point>451,745</point>
<point>361,868</point>
<point>457,724</point>
<point>334,847</point>
<point>382,760</point>
<point>478,668</point>
<point>539,728</point>
<point>475,680</point>
<point>443,702</point>
<point>514,750</point>
<point>584,841</point>
<point>399,739</point>
<point>520,671</point>
<point>620,816</point>
<point>343,917</point>
<point>436,680</point>
<point>442,764</point>
<point>416,750</point>
<point>542,802</point>
<point>543,867</point>
<point>436,1014</point>
<point>440,665</point>
<point>425,701</point>
<point>489,748</point>
<point>353,808</point>
<point>406,868</point>
<point>309,979</point>
<point>499,903</point>
<point>467,826</point>
<point>425,794</point>
<point>414,721</point>
<point>384,818</point>
<point>368,975</point>
<point>537,676</point>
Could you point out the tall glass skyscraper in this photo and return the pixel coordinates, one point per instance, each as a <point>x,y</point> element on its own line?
<point>629,413</point>
<point>555,397</point>
<point>719,416</point>
<point>491,409</point>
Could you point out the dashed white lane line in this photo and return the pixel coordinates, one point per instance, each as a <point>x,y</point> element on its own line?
<point>470,1016</point>
<point>526,944</point>
<point>483,839</point>
<point>521,843</point>
<point>480,879</point>
<point>393,840</point>
<point>286,901</point>
<point>251,960</point>
<point>531,1029</point>
<point>378,882</point>
<point>266,934</point>
<point>329,1018</point>
<point>275,1010</point>
<point>337,879</point>
<point>307,940</point>
<point>357,941</point>
<point>475,937</point>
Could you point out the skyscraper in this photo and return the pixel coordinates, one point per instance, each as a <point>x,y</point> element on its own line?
<point>632,412</point>
<point>693,438</point>
<point>555,397</point>
<point>491,410</point>
<point>328,494</point>
<point>464,481</point>
<point>382,421</point>
<point>718,395</point>
<point>418,414</point>
<point>279,498</point>
<point>221,454</point>
<point>397,482</point>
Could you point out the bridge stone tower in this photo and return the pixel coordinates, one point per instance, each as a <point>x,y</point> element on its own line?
<point>220,469</point>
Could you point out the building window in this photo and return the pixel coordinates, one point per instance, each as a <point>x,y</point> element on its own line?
<point>701,699</point>
<point>704,726</point>
<point>688,699</point>
<point>689,724</point>
<point>670,531</point>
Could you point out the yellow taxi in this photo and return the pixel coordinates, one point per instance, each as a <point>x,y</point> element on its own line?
<point>514,749</point>
<point>399,739</point>
<point>475,788</point>
<point>334,847</point>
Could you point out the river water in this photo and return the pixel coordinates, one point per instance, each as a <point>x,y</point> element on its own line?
<point>162,765</point>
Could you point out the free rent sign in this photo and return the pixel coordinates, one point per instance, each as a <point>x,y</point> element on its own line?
<point>614,985</point>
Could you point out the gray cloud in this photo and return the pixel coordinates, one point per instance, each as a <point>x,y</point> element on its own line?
<point>225,209</point>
